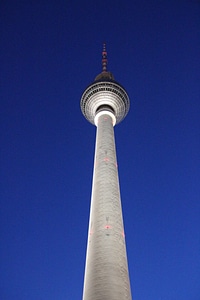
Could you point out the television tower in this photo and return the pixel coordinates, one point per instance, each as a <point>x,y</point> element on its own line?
<point>105,103</point>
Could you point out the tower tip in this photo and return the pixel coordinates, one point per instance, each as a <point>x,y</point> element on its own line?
<point>104,58</point>
<point>104,75</point>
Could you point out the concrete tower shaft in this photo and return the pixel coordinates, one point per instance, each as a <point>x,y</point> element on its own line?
<point>106,271</point>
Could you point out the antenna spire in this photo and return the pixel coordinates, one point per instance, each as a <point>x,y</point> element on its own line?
<point>104,58</point>
<point>104,75</point>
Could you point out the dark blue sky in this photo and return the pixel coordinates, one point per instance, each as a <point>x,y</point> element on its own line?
<point>50,51</point>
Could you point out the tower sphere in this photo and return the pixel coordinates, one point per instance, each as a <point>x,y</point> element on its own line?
<point>105,94</point>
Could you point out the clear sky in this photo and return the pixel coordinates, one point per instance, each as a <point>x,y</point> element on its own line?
<point>50,51</point>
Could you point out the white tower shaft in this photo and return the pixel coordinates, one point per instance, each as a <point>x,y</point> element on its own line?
<point>106,271</point>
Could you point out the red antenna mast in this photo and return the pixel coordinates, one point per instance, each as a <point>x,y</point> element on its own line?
<point>104,58</point>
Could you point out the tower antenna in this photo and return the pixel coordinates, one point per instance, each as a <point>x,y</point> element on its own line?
<point>104,58</point>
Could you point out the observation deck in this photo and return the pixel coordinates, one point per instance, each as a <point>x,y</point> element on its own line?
<point>107,94</point>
